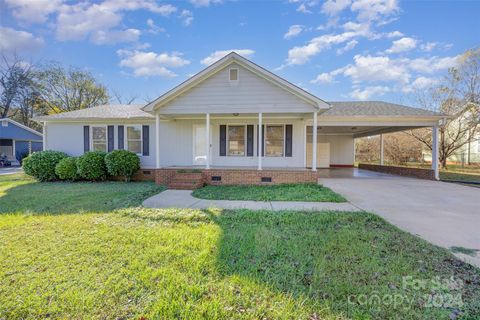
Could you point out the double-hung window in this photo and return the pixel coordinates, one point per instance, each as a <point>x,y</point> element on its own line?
<point>99,138</point>
<point>134,139</point>
<point>274,140</point>
<point>236,136</point>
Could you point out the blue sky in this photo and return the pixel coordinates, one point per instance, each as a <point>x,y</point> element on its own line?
<point>338,50</point>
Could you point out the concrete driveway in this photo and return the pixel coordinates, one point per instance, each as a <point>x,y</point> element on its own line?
<point>445,214</point>
<point>10,170</point>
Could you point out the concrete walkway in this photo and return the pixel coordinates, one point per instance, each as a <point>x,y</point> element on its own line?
<point>10,170</point>
<point>184,199</point>
<point>445,214</point>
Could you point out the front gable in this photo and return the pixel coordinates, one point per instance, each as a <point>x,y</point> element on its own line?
<point>257,90</point>
<point>249,94</point>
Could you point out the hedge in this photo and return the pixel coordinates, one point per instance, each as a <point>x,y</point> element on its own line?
<point>41,165</point>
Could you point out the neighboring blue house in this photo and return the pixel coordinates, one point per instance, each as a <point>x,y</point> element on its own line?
<point>17,140</point>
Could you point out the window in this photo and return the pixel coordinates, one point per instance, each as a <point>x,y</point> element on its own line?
<point>134,139</point>
<point>233,74</point>
<point>4,123</point>
<point>99,138</point>
<point>236,140</point>
<point>274,140</point>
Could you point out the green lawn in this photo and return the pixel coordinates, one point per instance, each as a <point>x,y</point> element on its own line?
<point>121,261</point>
<point>282,192</point>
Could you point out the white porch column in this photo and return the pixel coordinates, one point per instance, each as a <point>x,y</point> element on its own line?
<point>260,144</point>
<point>435,153</point>
<point>157,141</point>
<point>44,131</point>
<point>381,149</point>
<point>314,142</point>
<point>207,141</point>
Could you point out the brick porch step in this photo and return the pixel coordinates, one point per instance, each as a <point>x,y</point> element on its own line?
<point>186,181</point>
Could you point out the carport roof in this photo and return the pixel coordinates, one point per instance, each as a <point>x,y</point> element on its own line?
<point>374,108</point>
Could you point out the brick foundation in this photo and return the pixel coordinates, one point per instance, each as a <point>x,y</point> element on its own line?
<point>427,174</point>
<point>243,176</point>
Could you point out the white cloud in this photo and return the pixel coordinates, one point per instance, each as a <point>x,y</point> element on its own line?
<point>369,92</point>
<point>432,64</point>
<point>333,7</point>
<point>204,3</point>
<point>293,31</point>
<point>371,10</point>
<point>217,55</point>
<point>323,78</point>
<point>187,17</point>
<point>370,68</point>
<point>111,37</point>
<point>394,34</point>
<point>303,9</point>
<point>402,45</point>
<point>420,83</point>
<point>18,41</point>
<point>349,46</point>
<point>151,63</point>
<point>33,11</point>
<point>153,28</point>
<point>429,46</point>
<point>82,20</point>
<point>300,55</point>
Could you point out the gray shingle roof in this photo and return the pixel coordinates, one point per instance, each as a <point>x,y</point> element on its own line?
<point>374,108</point>
<point>338,109</point>
<point>110,111</point>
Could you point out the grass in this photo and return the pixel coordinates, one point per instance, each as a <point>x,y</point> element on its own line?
<point>283,192</point>
<point>21,194</point>
<point>467,251</point>
<point>131,262</point>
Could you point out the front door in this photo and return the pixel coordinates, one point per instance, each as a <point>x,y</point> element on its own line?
<point>199,144</point>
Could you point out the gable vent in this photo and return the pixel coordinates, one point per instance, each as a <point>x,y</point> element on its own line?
<point>233,74</point>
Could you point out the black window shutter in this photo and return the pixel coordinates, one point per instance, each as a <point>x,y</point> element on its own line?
<point>250,140</point>
<point>110,137</point>
<point>288,140</point>
<point>263,140</point>
<point>146,140</point>
<point>120,138</point>
<point>86,138</point>
<point>223,140</point>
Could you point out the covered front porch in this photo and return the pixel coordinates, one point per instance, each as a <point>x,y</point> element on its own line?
<point>269,141</point>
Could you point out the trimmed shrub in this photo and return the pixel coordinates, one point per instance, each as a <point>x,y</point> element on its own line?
<point>122,163</point>
<point>41,165</point>
<point>91,166</point>
<point>67,169</point>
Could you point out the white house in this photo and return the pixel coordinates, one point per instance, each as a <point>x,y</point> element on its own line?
<point>233,116</point>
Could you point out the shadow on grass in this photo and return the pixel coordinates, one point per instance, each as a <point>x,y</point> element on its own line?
<point>19,194</point>
<point>343,262</point>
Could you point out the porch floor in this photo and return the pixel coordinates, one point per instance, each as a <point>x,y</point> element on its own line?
<point>200,167</point>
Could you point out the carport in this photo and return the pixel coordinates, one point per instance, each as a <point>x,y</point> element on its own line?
<point>371,118</point>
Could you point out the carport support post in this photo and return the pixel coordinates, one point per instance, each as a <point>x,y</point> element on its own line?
<point>207,141</point>
<point>260,144</point>
<point>381,149</point>
<point>314,142</point>
<point>157,140</point>
<point>435,153</point>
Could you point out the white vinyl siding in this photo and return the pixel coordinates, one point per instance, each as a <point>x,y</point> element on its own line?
<point>68,138</point>
<point>252,94</point>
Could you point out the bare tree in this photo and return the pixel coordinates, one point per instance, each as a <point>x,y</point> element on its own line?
<point>458,96</point>
<point>70,89</point>
<point>15,83</point>
<point>121,99</point>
